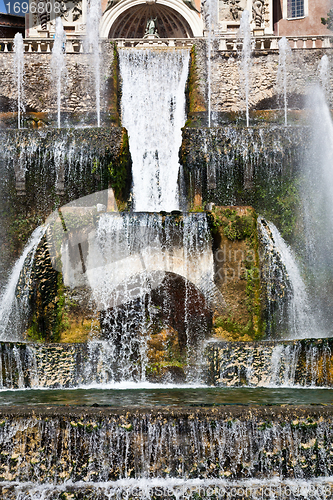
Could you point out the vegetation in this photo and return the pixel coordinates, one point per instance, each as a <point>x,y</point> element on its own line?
<point>328,21</point>
<point>238,275</point>
<point>195,102</point>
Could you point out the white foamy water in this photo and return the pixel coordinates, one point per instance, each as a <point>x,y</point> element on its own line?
<point>153,112</point>
<point>19,73</point>
<point>12,310</point>
<point>58,62</point>
<point>283,268</point>
<point>284,54</point>
<point>245,65</point>
<point>178,488</point>
<point>92,44</point>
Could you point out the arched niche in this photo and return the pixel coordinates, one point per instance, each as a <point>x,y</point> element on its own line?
<point>128,19</point>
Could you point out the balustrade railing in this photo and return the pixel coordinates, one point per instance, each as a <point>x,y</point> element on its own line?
<point>224,42</point>
<point>42,45</point>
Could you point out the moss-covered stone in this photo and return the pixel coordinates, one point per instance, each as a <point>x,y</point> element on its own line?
<point>195,101</point>
<point>237,272</point>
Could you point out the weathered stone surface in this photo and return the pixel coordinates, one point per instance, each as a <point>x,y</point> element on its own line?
<point>227,94</point>
<point>237,273</point>
<point>40,94</point>
<point>295,362</point>
<point>100,444</point>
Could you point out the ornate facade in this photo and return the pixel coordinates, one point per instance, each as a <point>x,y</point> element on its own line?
<point>181,18</point>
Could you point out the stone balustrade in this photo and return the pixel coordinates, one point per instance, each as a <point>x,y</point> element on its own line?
<point>156,42</point>
<point>225,43</point>
<point>264,43</point>
<point>42,45</point>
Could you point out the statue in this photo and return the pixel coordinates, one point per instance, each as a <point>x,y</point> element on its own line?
<point>258,10</point>
<point>151,28</point>
<point>234,9</point>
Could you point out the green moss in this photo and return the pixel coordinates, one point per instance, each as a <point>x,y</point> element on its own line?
<point>20,230</point>
<point>235,227</point>
<point>284,208</point>
<point>49,316</point>
<point>242,227</point>
<point>115,91</point>
<point>194,100</point>
<point>120,173</point>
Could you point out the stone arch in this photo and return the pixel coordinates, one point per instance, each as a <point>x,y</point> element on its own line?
<point>179,304</point>
<point>128,19</point>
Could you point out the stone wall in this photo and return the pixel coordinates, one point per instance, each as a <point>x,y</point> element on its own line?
<point>55,445</point>
<point>227,93</point>
<point>307,363</point>
<point>78,94</point>
<point>296,362</point>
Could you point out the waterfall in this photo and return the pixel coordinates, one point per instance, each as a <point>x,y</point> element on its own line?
<point>19,74</point>
<point>180,489</point>
<point>324,73</point>
<point>245,65</point>
<point>12,309</point>
<point>284,54</point>
<point>122,450</point>
<point>317,194</point>
<point>92,44</point>
<point>285,287</point>
<point>208,11</point>
<point>287,364</point>
<point>134,261</point>
<point>58,63</point>
<point>153,112</point>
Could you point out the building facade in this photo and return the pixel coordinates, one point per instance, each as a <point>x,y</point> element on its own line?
<point>180,18</point>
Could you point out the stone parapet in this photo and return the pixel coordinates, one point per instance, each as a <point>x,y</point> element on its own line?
<point>55,445</point>
<point>303,363</point>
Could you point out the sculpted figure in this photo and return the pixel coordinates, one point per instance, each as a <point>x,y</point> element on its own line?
<point>234,9</point>
<point>151,26</point>
<point>258,10</point>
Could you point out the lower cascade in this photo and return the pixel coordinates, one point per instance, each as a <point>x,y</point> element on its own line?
<point>162,332</point>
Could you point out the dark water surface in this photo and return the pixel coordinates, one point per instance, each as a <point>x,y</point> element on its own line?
<point>168,396</point>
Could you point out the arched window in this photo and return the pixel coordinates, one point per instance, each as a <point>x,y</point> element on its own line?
<point>295,9</point>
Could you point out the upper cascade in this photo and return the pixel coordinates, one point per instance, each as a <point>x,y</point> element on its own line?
<point>153,112</point>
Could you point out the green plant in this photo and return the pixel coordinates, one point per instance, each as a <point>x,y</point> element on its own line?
<point>328,21</point>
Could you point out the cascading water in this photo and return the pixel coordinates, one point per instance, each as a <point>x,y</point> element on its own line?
<point>245,65</point>
<point>208,10</point>
<point>285,287</point>
<point>263,453</point>
<point>13,310</point>
<point>136,265</point>
<point>155,270</point>
<point>19,74</point>
<point>153,112</point>
<point>58,62</point>
<point>92,44</point>
<point>287,364</point>
<point>284,54</point>
<point>324,73</point>
<point>317,195</point>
